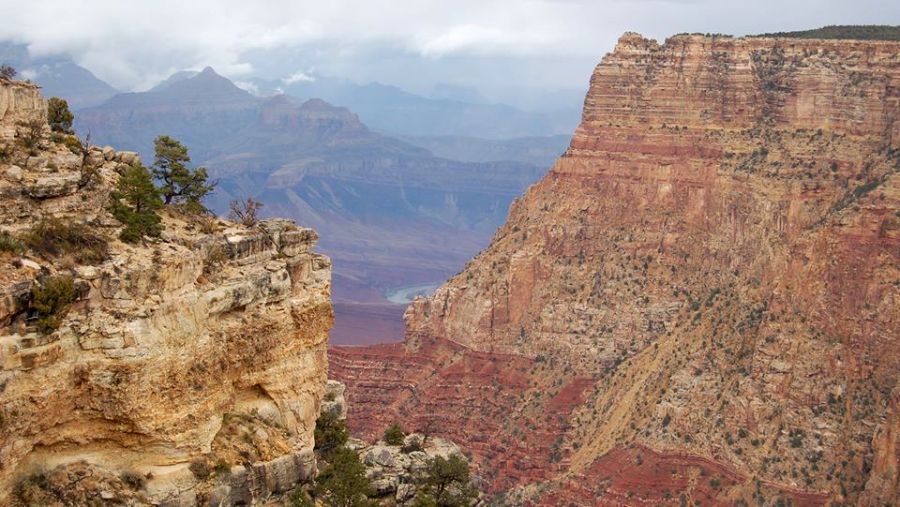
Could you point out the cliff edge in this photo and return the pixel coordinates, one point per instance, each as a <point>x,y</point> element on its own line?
<point>188,368</point>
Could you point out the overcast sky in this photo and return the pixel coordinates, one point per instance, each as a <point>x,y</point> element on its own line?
<point>503,48</point>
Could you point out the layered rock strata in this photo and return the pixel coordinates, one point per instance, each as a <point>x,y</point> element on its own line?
<point>190,368</point>
<point>719,249</point>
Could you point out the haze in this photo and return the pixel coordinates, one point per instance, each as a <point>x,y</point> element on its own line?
<point>533,54</point>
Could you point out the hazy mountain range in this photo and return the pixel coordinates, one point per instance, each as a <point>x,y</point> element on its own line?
<point>403,188</point>
<point>58,75</point>
<point>390,213</point>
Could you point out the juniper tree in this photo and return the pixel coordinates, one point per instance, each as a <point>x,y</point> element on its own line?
<point>178,183</point>
<point>59,116</point>
<point>7,71</point>
<point>134,202</point>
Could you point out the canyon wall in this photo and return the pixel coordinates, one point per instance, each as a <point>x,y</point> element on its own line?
<point>188,370</point>
<point>712,267</point>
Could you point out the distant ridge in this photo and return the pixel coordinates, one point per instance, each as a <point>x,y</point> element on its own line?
<point>855,32</point>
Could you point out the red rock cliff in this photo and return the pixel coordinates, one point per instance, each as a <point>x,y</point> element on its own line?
<point>719,250</point>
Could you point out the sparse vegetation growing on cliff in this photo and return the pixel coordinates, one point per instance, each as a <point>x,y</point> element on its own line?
<point>446,483</point>
<point>343,482</point>
<point>53,238</point>
<point>50,300</point>
<point>856,32</point>
<point>181,185</point>
<point>59,116</point>
<point>394,435</point>
<point>7,71</point>
<point>330,434</point>
<point>10,244</point>
<point>135,202</point>
<point>245,211</point>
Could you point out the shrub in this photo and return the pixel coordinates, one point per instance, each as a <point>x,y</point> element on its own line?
<point>222,467</point>
<point>180,185</point>
<point>59,116</point>
<point>10,244</point>
<point>50,300</point>
<point>74,144</point>
<point>134,480</point>
<point>330,434</point>
<point>216,257</point>
<point>244,211</point>
<point>32,136</point>
<point>7,71</point>
<point>134,203</point>
<point>53,238</point>
<point>394,435</point>
<point>200,469</point>
<point>300,498</point>
<point>343,483</point>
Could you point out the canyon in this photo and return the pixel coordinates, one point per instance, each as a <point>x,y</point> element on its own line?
<point>390,214</point>
<point>181,360</point>
<point>697,304</point>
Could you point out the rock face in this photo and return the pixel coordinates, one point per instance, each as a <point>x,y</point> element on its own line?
<point>716,255</point>
<point>173,350</point>
<point>20,103</point>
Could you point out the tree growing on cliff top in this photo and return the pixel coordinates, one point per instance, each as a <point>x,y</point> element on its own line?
<point>447,483</point>
<point>59,116</point>
<point>179,184</point>
<point>343,481</point>
<point>330,434</point>
<point>7,71</point>
<point>135,202</point>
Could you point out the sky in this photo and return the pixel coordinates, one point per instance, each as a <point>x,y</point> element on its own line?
<point>518,51</point>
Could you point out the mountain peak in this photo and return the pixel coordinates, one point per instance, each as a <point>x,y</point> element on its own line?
<point>206,86</point>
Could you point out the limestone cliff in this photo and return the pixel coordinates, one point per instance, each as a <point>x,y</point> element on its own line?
<point>189,369</point>
<point>716,257</point>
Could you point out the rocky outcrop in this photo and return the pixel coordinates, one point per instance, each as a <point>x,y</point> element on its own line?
<point>191,367</point>
<point>20,105</point>
<point>395,471</point>
<point>718,252</point>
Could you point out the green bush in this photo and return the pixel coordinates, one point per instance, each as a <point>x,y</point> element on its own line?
<point>447,483</point>
<point>300,498</point>
<point>134,203</point>
<point>10,244</point>
<point>53,238</point>
<point>73,144</point>
<point>59,116</point>
<point>330,434</point>
<point>50,300</point>
<point>343,483</point>
<point>394,435</point>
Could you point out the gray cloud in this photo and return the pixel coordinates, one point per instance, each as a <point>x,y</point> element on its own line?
<point>489,44</point>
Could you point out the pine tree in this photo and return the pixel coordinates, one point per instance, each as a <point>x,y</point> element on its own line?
<point>447,483</point>
<point>135,202</point>
<point>179,184</point>
<point>343,482</point>
<point>59,116</point>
